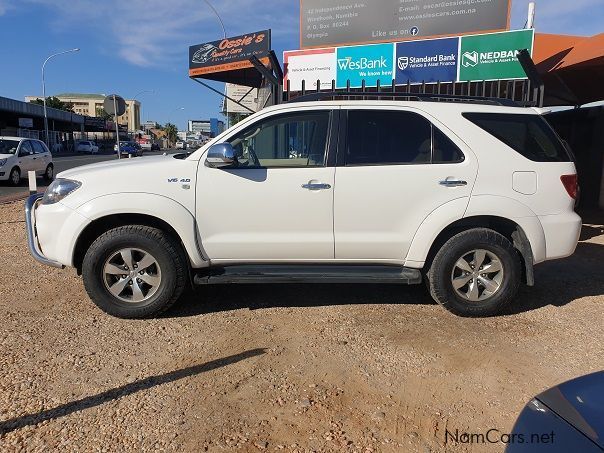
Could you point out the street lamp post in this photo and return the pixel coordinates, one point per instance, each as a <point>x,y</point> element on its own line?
<point>44,91</point>
<point>218,16</point>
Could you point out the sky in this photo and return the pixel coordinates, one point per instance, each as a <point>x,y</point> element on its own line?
<point>133,46</point>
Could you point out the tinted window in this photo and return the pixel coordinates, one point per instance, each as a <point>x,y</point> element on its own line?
<point>38,147</point>
<point>445,151</point>
<point>293,140</point>
<point>529,135</point>
<point>8,146</point>
<point>381,137</point>
<point>26,148</point>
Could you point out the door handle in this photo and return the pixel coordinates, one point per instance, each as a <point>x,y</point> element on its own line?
<point>316,186</point>
<point>453,183</point>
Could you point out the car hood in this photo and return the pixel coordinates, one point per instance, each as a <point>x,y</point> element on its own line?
<point>134,164</point>
<point>581,403</point>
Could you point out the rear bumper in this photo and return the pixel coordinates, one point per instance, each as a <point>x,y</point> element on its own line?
<point>562,232</point>
<point>32,237</point>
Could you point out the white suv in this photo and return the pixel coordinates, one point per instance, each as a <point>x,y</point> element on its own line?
<point>20,155</point>
<point>465,196</point>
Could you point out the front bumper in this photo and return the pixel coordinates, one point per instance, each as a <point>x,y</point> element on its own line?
<point>32,237</point>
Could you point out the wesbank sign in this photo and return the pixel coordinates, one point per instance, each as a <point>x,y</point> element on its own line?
<point>370,63</point>
<point>493,56</point>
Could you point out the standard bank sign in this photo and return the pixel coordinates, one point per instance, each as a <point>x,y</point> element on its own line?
<point>370,63</point>
<point>427,61</point>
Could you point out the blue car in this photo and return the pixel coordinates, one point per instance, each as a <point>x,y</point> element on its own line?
<point>130,148</point>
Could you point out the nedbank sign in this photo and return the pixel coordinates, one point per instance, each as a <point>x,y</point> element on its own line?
<point>493,56</point>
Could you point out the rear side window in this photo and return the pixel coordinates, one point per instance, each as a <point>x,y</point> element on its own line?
<point>529,135</point>
<point>381,137</point>
<point>38,147</point>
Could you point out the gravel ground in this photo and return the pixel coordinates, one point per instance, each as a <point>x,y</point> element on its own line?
<point>275,367</point>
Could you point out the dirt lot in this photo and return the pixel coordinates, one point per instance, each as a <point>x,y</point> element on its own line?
<point>292,368</point>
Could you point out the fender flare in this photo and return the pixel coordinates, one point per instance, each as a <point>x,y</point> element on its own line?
<point>166,209</point>
<point>531,234</point>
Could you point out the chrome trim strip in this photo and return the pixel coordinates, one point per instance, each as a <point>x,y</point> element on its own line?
<point>30,206</point>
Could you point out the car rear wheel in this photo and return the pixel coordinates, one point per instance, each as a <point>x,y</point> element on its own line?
<point>15,176</point>
<point>49,173</point>
<point>134,271</point>
<point>475,273</point>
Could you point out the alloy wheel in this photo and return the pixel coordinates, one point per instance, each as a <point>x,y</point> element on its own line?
<point>477,275</point>
<point>132,275</point>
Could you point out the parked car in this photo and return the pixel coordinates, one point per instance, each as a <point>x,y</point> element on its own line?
<point>86,146</point>
<point>20,155</point>
<point>181,145</point>
<point>465,196</point>
<point>567,417</point>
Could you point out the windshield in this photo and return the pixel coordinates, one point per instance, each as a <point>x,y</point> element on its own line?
<point>8,146</point>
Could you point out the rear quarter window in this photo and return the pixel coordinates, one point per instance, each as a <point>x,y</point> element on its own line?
<point>529,135</point>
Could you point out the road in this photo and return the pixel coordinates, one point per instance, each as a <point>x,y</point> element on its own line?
<point>62,163</point>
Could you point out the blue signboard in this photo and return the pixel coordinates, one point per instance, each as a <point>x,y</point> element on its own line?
<point>370,63</point>
<point>427,61</point>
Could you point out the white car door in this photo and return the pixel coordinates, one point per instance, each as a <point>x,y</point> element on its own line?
<point>277,203</point>
<point>26,157</point>
<point>41,156</point>
<point>395,167</point>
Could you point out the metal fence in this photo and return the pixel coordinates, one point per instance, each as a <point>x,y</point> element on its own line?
<point>519,91</point>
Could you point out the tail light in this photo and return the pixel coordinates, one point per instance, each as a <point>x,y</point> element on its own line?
<point>571,184</point>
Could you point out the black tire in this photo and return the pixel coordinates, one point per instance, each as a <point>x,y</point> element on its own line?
<point>440,274</point>
<point>49,173</point>
<point>168,255</point>
<point>12,180</point>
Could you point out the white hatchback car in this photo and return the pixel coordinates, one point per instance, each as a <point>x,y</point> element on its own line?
<point>465,196</point>
<point>19,155</point>
<point>86,146</point>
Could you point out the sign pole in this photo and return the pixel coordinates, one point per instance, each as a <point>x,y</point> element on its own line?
<point>117,129</point>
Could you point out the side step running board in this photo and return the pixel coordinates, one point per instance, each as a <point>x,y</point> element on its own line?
<point>273,273</point>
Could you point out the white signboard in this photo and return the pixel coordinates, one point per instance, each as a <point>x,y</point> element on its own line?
<point>309,65</point>
<point>243,95</point>
<point>26,122</point>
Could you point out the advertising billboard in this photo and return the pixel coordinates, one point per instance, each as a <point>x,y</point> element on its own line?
<point>368,63</point>
<point>327,23</point>
<point>229,54</point>
<point>427,61</point>
<point>309,65</point>
<point>493,56</point>
<point>244,95</point>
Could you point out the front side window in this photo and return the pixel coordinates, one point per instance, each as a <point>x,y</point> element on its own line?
<point>26,148</point>
<point>290,140</point>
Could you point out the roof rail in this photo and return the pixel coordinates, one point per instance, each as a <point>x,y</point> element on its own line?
<point>426,97</point>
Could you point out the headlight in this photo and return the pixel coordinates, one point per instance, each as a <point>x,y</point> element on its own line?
<point>59,189</point>
<point>2,162</point>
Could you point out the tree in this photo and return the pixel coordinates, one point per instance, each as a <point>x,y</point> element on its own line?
<point>55,103</point>
<point>101,113</point>
<point>171,132</point>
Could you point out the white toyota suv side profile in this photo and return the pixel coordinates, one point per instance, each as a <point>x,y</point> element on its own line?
<point>464,195</point>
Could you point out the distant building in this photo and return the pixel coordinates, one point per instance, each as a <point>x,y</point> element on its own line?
<point>209,128</point>
<point>88,105</point>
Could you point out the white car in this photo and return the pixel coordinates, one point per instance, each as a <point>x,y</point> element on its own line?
<point>86,146</point>
<point>181,145</point>
<point>467,196</point>
<point>20,155</point>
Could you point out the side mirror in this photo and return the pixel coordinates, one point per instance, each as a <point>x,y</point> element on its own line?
<point>221,155</point>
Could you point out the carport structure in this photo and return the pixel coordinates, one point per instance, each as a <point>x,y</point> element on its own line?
<point>25,119</point>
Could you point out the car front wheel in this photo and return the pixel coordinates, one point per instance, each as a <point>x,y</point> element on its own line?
<point>475,273</point>
<point>134,271</point>
<point>15,176</point>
